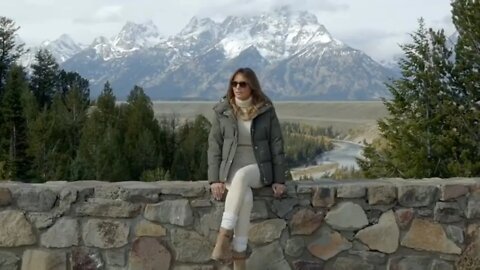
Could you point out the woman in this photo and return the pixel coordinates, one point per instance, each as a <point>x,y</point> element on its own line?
<point>245,151</point>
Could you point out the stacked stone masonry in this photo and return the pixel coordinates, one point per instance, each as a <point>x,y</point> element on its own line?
<point>377,224</point>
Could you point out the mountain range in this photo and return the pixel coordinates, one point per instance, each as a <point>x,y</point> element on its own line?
<point>294,56</point>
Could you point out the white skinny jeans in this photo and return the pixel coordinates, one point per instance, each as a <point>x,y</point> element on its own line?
<point>239,203</point>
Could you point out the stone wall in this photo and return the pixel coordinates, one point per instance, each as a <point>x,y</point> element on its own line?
<point>381,224</point>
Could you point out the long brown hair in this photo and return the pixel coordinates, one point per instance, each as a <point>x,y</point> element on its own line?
<point>258,97</point>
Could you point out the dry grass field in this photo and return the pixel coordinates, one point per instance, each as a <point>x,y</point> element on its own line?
<point>356,120</point>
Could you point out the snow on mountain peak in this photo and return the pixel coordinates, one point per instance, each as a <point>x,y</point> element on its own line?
<point>276,35</point>
<point>135,36</point>
<point>197,26</point>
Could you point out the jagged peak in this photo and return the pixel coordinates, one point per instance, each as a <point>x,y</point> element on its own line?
<point>100,40</point>
<point>196,25</point>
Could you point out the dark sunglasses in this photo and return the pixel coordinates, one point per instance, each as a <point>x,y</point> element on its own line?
<point>241,84</point>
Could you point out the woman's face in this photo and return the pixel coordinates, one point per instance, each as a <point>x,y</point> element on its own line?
<point>240,87</point>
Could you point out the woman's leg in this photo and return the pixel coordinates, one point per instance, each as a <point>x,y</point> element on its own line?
<point>241,183</point>
<point>244,180</point>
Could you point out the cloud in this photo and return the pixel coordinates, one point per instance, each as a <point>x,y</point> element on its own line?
<point>380,44</point>
<point>312,5</point>
<point>106,14</point>
<point>221,9</point>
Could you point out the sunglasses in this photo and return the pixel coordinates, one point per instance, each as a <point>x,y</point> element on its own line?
<point>240,84</point>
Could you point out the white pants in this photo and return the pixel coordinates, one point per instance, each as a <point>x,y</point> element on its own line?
<point>239,202</point>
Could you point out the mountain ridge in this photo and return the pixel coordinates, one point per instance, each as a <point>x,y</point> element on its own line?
<point>293,54</point>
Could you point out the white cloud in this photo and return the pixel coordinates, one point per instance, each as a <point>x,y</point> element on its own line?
<point>106,14</point>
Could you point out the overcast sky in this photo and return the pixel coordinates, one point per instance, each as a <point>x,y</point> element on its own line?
<point>374,26</point>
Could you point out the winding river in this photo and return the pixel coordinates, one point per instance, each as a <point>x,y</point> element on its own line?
<point>344,154</point>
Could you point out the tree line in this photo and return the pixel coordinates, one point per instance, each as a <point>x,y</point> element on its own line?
<point>433,129</point>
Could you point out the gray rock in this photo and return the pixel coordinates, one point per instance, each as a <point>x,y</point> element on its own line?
<point>64,233</point>
<point>347,216</point>
<point>8,261</point>
<point>473,207</point>
<point>409,263</point>
<point>347,263</point>
<point>210,221</point>
<point>295,246</point>
<point>417,195</point>
<point>441,265</point>
<point>373,257</point>
<point>201,203</point>
<point>176,212</point>
<point>266,257</point>
<point>41,220</point>
<point>184,189</point>
<point>35,199</point>
<point>447,212</point>
<point>105,233</point>
<point>107,208</point>
<point>190,247</point>
<point>266,231</point>
<point>282,207</point>
<point>66,198</point>
<point>384,194</point>
<point>351,191</point>
<point>115,257</point>
<point>259,210</point>
<point>455,233</point>
<point>308,265</point>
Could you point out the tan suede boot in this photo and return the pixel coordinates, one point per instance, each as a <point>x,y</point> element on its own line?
<point>223,251</point>
<point>239,260</point>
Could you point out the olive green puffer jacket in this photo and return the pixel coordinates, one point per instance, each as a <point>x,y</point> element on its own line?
<point>267,142</point>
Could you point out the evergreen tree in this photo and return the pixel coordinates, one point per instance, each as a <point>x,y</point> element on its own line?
<point>72,80</point>
<point>419,134</point>
<point>39,134</point>
<point>466,18</point>
<point>101,154</point>
<point>44,79</point>
<point>10,50</point>
<point>13,140</point>
<point>189,161</point>
<point>141,133</point>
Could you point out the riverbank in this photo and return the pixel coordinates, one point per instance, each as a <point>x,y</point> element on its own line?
<point>343,155</point>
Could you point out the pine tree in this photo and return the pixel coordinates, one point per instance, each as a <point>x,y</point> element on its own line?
<point>44,80</point>
<point>141,132</point>
<point>101,157</point>
<point>466,18</point>
<point>418,133</point>
<point>10,50</point>
<point>13,140</point>
<point>72,80</point>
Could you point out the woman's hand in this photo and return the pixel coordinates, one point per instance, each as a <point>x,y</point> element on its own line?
<point>217,190</point>
<point>278,190</point>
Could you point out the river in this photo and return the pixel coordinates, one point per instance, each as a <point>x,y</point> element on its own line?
<point>344,154</point>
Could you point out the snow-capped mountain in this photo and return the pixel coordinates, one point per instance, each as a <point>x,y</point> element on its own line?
<point>131,38</point>
<point>62,48</point>
<point>293,54</point>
